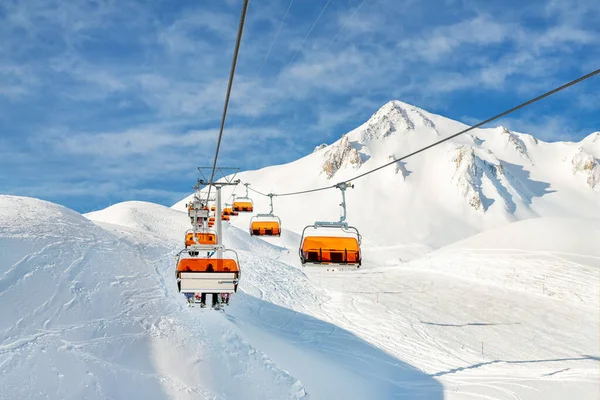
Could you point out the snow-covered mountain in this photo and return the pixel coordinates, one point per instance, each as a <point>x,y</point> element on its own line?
<point>483,179</point>
<point>502,306</point>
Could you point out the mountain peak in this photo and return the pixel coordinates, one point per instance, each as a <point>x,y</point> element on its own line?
<point>395,116</point>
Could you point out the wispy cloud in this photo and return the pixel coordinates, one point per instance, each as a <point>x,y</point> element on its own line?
<point>121,99</point>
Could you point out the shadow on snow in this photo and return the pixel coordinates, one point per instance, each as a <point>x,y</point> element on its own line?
<point>331,362</point>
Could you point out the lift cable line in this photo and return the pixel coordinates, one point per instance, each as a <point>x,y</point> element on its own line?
<point>497,116</point>
<point>345,25</point>
<point>308,34</point>
<point>229,86</point>
<point>276,36</point>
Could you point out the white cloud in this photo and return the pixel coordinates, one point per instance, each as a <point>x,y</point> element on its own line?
<point>480,30</point>
<point>156,98</point>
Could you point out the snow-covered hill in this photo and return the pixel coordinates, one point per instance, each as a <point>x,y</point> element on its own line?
<point>508,313</point>
<point>88,313</point>
<point>95,314</point>
<point>478,181</point>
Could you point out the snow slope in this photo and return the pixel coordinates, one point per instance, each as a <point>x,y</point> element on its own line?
<point>430,318</point>
<point>280,312</point>
<point>484,179</point>
<point>554,257</point>
<point>91,314</point>
<point>111,324</point>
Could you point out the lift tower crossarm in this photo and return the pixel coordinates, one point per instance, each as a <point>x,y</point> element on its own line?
<point>218,185</point>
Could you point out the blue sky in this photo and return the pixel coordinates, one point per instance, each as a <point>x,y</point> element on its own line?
<point>106,101</point>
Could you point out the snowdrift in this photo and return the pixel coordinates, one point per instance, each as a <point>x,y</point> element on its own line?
<point>150,218</point>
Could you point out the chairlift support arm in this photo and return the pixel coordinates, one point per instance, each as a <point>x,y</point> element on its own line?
<point>343,186</point>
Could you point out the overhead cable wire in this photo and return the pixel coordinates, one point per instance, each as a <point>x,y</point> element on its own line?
<point>229,86</point>
<point>275,38</point>
<point>345,24</point>
<point>257,192</point>
<point>308,34</point>
<point>495,117</point>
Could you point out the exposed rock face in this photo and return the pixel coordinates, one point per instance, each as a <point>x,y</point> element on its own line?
<point>340,155</point>
<point>587,165</point>
<point>516,143</point>
<point>467,176</point>
<point>471,172</point>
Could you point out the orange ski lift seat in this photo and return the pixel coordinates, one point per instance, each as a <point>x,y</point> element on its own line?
<point>340,246</point>
<point>202,238</point>
<point>211,219</point>
<point>196,274</point>
<point>213,208</point>
<point>225,217</point>
<point>243,204</point>
<point>198,213</point>
<point>227,211</point>
<point>265,225</point>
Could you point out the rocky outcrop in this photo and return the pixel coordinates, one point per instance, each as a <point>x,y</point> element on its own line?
<point>340,155</point>
<point>320,147</point>
<point>585,164</point>
<point>515,142</point>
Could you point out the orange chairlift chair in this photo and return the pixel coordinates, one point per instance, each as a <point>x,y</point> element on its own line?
<point>227,210</point>
<point>243,204</point>
<point>200,269</point>
<point>265,224</point>
<point>341,248</point>
<point>203,237</point>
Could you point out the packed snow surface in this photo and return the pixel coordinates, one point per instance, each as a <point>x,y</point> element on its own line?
<point>480,279</point>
